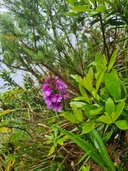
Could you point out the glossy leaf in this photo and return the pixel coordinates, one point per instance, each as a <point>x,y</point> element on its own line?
<point>70,117</point>
<point>82,8</point>
<point>87,127</point>
<point>113,86</point>
<point>71,2</point>
<point>71,14</point>
<point>82,98</point>
<point>109,106</point>
<point>87,83</point>
<point>119,111</point>
<point>96,111</point>
<point>101,8</point>
<point>84,93</point>
<point>122,124</point>
<point>76,78</point>
<point>77,104</point>
<point>78,115</point>
<point>112,60</point>
<point>106,118</point>
<point>100,77</point>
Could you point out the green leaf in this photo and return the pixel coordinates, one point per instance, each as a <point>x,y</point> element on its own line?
<point>61,140</point>
<point>83,157</point>
<point>77,104</point>
<point>112,60</point>
<point>107,136</point>
<point>52,149</point>
<point>84,93</point>
<point>96,111</point>
<point>72,2</point>
<point>98,142</point>
<point>87,127</point>
<point>100,78</point>
<point>71,14</point>
<point>82,8</point>
<point>91,14</point>
<point>109,106</point>
<point>82,98</point>
<point>101,8</point>
<point>113,86</point>
<point>77,78</point>
<point>5,112</point>
<point>119,111</point>
<point>87,83</point>
<point>106,118</point>
<point>78,115</point>
<point>86,168</point>
<point>122,124</point>
<point>85,146</point>
<point>70,117</point>
<point>87,2</point>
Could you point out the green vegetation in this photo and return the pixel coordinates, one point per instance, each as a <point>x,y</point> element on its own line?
<point>75,118</point>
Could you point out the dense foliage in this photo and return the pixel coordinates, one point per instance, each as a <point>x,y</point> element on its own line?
<point>75,118</point>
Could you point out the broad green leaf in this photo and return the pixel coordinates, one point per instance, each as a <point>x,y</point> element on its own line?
<point>77,104</point>
<point>99,61</point>
<point>96,111</point>
<point>119,111</point>
<point>92,13</point>
<point>87,1</point>
<point>106,118</point>
<point>84,93</point>
<point>100,78</point>
<point>113,86</point>
<point>109,106</point>
<point>71,2</point>
<point>87,127</point>
<point>87,83</point>
<point>122,124</point>
<point>71,14</point>
<point>76,78</point>
<point>114,116</point>
<point>101,8</point>
<point>5,112</point>
<point>114,74</point>
<point>78,115</point>
<point>112,60</point>
<point>70,117</point>
<point>82,98</point>
<point>82,8</point>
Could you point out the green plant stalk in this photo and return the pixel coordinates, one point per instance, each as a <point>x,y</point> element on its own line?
<point>86,147</point>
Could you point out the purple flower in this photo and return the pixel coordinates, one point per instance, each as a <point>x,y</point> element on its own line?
<point>47,90</point>
<point>57,98</point>
<point>57,107</point>
<point>60,85</point>
<point>54,92</point>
